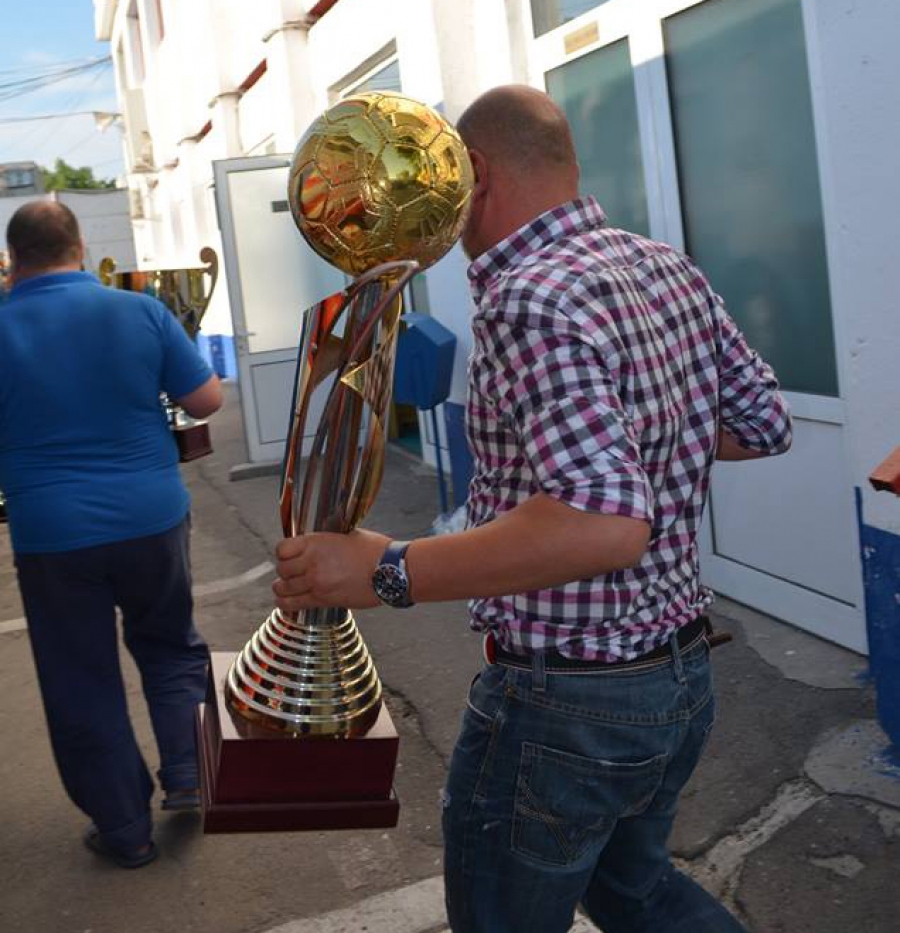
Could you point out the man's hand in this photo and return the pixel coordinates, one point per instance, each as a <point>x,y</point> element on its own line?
<point>323,570</point>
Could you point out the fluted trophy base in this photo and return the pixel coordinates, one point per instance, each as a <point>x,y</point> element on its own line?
<point>257,779</point>
<point>309,675</point>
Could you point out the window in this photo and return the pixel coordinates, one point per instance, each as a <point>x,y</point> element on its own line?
<point>385,79</point>
<point>381,72</point>
<point>548,14</point>
<point>20,178</point>
<point>747,164</point>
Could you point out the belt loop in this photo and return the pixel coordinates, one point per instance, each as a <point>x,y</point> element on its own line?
<point>538,673</point>
<point>677,662</point>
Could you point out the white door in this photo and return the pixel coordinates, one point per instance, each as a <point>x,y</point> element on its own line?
<point>273,276</point>
<point>695,123</point>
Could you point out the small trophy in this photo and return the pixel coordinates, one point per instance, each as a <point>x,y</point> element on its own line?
<point>294,734</point>
<point>186,293</point>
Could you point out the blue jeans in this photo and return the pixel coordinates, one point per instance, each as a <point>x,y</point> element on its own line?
<point>562,791</point>
<point>70,602</point>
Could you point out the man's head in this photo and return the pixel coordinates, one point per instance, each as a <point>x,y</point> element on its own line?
<point>524,160</point>
<point>43,236</point>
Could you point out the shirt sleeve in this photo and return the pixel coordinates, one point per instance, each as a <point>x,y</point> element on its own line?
<point>572,427</point>
<point>751,407</point>
<point>184,370</point>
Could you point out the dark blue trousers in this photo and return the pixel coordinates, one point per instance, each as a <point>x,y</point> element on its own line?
<point>70,602</point>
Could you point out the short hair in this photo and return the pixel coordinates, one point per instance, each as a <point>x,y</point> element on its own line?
<point>518,125</point>
<point>43,234</point>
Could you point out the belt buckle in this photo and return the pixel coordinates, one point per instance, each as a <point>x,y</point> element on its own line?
<point>489,648</point>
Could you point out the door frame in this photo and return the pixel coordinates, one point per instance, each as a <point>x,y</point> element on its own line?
<point>258,449</point>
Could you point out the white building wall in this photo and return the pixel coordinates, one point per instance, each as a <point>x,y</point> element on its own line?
<point>8,207</point>
<point>102,215</point>
<point>855,75</point>
<point>105,225</point>
<point>448,51</point>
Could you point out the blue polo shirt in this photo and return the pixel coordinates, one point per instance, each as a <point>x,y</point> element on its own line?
<point>86,454</point>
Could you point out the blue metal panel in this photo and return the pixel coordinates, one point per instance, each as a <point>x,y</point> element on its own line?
<point>424,367</point>
<point>881,575</point>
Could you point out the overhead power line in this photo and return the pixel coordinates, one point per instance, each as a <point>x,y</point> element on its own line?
<point>50,116</point>
<point>42,67</point>
<point>40,78</point>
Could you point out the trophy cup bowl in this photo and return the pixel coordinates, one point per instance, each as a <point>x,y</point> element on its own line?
<point>186,292</point>
<point>294,734</point>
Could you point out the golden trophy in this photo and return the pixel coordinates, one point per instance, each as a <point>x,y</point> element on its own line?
<point>186,293</point>
<point>294,734</point>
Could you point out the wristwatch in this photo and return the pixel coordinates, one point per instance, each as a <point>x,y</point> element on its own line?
<point>390,581</point>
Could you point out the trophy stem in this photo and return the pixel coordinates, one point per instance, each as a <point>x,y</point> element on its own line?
<point>310,674</point>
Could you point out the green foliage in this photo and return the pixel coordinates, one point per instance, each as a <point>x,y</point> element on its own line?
<point>67,176</point>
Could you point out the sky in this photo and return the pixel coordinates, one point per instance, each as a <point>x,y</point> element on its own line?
<point>43,33</point>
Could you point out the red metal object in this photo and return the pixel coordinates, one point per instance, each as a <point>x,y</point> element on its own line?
<point>320,9</point>
<point>886,476</point>
<point>253,77</point>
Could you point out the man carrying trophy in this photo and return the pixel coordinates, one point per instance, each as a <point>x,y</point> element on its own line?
<point>99,519</point>
<point>605,380</point>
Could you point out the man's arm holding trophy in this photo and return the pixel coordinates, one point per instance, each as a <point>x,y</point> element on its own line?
<point>204,401</point>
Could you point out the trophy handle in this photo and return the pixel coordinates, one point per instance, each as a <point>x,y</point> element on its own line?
<point>106,269</point>
<point>209,257</point>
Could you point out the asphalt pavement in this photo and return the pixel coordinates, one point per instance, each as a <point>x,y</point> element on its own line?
<point>793,817</point>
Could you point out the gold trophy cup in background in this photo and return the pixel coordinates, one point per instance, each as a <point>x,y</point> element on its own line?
<point>186,293</point>
<point>295,734</point>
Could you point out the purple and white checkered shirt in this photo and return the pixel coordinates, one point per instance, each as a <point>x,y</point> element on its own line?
<point>602,367</point>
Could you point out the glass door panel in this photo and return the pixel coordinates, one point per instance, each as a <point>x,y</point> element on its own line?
<point>747,165</point>
<point>596,91</point>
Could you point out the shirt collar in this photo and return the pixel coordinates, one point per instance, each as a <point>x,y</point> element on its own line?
<point>577,216</point>
<point>37,282</point>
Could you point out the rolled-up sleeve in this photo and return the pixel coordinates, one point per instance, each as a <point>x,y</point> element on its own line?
<point>573,430</point>
<point>752,409</point>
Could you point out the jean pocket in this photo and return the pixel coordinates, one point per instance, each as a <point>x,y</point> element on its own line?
<point>486,694</point>
<point>567,803</point>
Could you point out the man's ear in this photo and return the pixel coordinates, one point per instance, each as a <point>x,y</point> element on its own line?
<point>480,169</point>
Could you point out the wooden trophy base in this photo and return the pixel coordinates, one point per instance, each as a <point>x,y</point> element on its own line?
<point>193,441</point>
<point>255,780</point>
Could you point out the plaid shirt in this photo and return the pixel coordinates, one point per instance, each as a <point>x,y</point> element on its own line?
<point>602,367</point>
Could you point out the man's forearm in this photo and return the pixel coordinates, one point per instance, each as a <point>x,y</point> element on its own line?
<point>540,543</point>
<point>729,449</point>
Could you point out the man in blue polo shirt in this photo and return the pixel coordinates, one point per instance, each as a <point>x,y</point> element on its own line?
<point>98,516</point>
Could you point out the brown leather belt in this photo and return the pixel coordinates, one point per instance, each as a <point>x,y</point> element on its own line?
<point>554,662</point>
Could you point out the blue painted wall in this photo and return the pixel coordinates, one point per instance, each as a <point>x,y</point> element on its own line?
<point>461,464</point>
<point>881,577</point>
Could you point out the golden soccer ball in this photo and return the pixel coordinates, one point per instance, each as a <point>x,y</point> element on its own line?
<point>380,177</point>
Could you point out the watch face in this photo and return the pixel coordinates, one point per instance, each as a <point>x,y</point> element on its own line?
<point>390,585</point>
